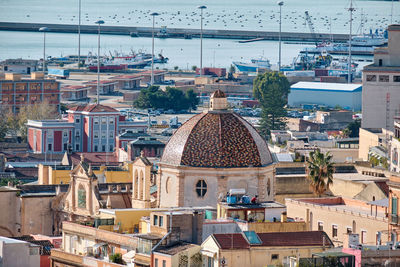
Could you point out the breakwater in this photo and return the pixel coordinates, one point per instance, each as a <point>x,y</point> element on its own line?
<point>175,32</point>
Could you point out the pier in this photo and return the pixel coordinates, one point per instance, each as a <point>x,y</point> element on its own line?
<point>176,32</point>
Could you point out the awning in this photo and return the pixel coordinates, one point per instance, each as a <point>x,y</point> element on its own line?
<point>96,246</point>
<point>129,256</point>
<point>208,253</point>
<point>381,203</point>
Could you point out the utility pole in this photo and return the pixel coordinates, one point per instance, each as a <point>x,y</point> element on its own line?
<point>351,10</point>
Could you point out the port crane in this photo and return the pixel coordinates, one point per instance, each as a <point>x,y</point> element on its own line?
<point>311,27</point>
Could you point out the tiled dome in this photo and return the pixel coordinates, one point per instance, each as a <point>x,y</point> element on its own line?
<point>217,140</point>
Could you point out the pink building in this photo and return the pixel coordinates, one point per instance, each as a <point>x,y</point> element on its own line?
<point>90,128</point>
<point>106,87</point>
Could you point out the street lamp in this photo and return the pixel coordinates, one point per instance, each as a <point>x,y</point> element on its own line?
<point>99,22</point>
<point>280,3</point>
<point>201,38</point>
<point>154,14</point>
<point>79,36</point>
<point>44,30</point>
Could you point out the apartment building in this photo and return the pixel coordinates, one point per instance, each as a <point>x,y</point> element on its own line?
<point>17,92</point>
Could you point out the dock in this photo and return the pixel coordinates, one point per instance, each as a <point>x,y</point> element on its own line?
<point>183,33</point>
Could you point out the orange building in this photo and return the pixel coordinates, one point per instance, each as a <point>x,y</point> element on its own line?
<point>17,92</point>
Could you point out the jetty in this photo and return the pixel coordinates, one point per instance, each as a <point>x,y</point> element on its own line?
<point>183,33</point>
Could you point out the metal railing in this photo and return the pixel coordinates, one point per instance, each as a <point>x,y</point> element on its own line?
<point>394,219</point>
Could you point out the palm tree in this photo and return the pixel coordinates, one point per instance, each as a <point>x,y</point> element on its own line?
<point>320,171</point>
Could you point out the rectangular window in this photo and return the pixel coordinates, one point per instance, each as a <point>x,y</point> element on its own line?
<point>396,79</point>
<point>111,120</point>
<point>103,148</point>
<point>103,120</point>
<point>77,120</point>
<point>394,205</point>
<point>210,262</point>
<point>155,262</point>
<point>65,147</point>
<point>49,147</point>
<point>77,147</point>
<point>164,263</point>
<point>96,121</point>
<point>274,256</point>
<point>95,148</point>
<point>111,134</point>
<point>371,78</point>
<point>320,226</point>
<point>363,236</point>
<point>349,230</point>
<point>65,133</point>
<point>384,78</point>
<point>77,134</point>
<point>111,148</point>
<point>155,220</point>
<point>161,221</point>
<point>50,133</point>
<point>96,134</point>
<point>334,230</point>
<point>103,134</point>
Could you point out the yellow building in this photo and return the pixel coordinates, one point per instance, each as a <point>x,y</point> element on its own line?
<point>262,249</point>
<point>339,216</point>
<point>60,174</point>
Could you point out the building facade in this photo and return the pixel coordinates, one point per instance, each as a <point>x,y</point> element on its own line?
<point>381,83</point>
<point>74,92</point>
<point>90,128</point>
<point>16,93</point>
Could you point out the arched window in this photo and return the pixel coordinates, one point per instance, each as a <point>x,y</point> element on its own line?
<point>141,187</point>
<point>81,197</point>
<point>201,188</point>
<point>168,185</point>
<point>136,185</point>
<point>354,227</point>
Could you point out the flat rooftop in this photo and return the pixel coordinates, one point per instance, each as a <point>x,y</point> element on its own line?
<point>262,205</point>
<point>317,86</point>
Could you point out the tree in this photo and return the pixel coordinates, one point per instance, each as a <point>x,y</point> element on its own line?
<point>272,90</point>
<point>354,128</point>
<point>194,67</point>
<point>116,258</point>
<point>170,98</point>
<point>319,168</point>
<point>38,111</point>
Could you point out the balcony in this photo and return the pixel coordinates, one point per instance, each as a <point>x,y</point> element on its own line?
<point>394,219</point>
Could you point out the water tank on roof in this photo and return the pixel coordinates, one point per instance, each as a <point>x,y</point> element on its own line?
<point>237,191</point>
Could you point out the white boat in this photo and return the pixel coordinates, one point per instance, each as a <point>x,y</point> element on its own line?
<point>368,40</point>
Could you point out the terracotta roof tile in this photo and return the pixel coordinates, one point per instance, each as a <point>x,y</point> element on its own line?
<point>278,239</point>
<point>93,108</point>
<point>231,241</point>
<point>217,140</point>
<point>297,239</point>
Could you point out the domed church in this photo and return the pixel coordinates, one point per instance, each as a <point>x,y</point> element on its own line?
<point>211,153</point>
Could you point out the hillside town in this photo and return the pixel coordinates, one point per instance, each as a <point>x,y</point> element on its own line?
<point>109,161</point>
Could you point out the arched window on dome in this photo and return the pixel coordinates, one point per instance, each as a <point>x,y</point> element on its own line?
<point>201,188</point>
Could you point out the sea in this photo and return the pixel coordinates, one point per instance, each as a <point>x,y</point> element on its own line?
<point>327,17</point>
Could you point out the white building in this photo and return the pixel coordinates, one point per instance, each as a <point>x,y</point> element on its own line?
<point>381,84</point>
<point>347,96</point>
<point>18,253</point>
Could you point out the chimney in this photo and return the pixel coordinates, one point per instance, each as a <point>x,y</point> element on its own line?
<point>37,75</point>
<point>13,76</point>
<point>284,216</point>
<point>194,227</point>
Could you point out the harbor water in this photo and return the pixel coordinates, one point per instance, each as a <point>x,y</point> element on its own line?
<point>327,16</point>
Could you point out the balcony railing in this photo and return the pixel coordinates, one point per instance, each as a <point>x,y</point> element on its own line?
<point>394,219</point>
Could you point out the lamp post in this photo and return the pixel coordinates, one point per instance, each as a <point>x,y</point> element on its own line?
<point>280,3</point>
<point>201,38</point>
<point>154,14</point>
<point>44,30</point>
<point>79,35</point>
<point>99,22</point>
